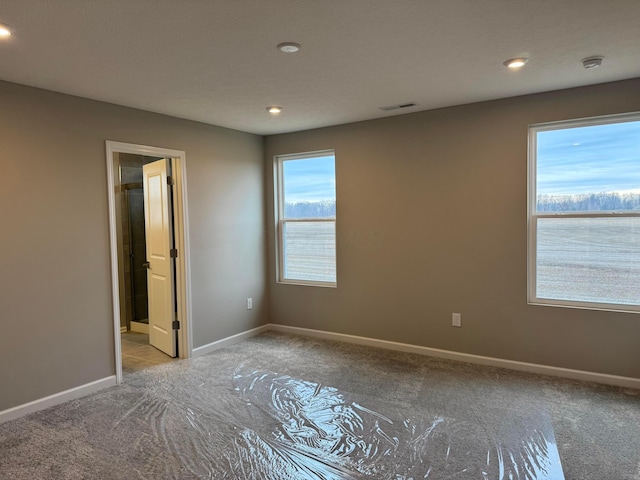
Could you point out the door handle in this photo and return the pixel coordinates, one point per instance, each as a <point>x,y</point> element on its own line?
<point>147,265</point>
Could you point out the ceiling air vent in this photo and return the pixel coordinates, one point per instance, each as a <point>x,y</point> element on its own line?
<point>398,107</point>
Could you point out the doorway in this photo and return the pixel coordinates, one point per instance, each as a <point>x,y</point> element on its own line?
<point>129,259</point>
<point>134,317</point>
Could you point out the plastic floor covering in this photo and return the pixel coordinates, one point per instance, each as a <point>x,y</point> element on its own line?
<point>285,407</point>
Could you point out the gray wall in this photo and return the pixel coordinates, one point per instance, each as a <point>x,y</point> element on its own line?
<point>57,328</point>
<point>432,219</point>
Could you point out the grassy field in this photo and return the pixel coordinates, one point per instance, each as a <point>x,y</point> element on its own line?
<point>310,252</point>
<point>589,259</point>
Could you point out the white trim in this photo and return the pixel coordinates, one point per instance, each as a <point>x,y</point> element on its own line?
<point>210,347</point>
<point>598,214</point>
<point>82,390</point>
<point>123,329</point>
<point>587,121</point>
<point>603,378</point>
<point>183,263</point>
<point>278,214</point>
<point>56,399</point>
<point>533,216</point>
<point>113,241</point>
<point>532,224</point>
<point>308,220</point>
<point>139,327</point>
<point>327,152</point>
<point>280,220</point>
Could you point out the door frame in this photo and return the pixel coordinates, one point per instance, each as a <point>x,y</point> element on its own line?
<point>181,230</point>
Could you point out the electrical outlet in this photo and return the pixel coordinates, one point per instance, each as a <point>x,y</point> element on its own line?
<point>249,303</point>
<point>456,320</point>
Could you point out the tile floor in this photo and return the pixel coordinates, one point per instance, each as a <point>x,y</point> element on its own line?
<point>138,355</point>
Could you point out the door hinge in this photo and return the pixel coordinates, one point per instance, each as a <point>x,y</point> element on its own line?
<point>170,180</point>
<point>173,253</point>
<point>176,325</point>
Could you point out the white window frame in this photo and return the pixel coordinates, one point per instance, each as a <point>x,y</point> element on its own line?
<point>534,216</point>
<point>281,220</point>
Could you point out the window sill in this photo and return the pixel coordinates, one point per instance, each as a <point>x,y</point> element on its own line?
<point>602,307</point>
<point>303,283</point>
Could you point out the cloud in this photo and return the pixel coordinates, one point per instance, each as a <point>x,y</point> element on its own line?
<point>592,159</point>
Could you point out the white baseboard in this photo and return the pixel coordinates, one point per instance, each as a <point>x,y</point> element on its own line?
<point>139,327</point>
<point>82,390</point>
<point>57,398</point>
<point>603,378</point>
<point>123,329</point>
<point>210,347</point>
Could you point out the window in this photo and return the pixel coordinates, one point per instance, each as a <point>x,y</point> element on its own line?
<point>306,218</point>
<point>584,213</point>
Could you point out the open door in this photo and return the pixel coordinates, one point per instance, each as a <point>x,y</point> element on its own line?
<point>160,264</point>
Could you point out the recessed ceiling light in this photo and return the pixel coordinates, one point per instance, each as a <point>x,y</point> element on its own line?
<point>592,62</point>
<point>274,109</point>
<point>388,108</point>
<point>516,63</point>
<point>5,30</point>
<point>289,47</point>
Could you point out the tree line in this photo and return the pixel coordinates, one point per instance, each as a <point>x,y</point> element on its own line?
<point>586,202</point>
<point>320,209</point>
<point>605,201</point>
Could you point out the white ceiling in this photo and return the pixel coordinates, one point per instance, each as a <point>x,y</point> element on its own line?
<point>215,61</point>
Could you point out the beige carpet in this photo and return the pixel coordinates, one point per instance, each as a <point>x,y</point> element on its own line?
<point>285,407</point>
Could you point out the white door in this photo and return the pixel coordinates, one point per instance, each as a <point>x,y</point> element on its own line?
<point>160,265</point>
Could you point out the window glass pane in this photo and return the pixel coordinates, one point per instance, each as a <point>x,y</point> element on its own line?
<point>310,251</point>
<point>589,259</point>
<point>309,187</point>
<point>591,168</point>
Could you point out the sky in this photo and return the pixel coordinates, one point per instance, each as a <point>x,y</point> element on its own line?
<point>310,179</point>
<point>593,159</point>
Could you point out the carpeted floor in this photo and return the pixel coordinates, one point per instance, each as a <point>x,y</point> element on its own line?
<point>285,407</point>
